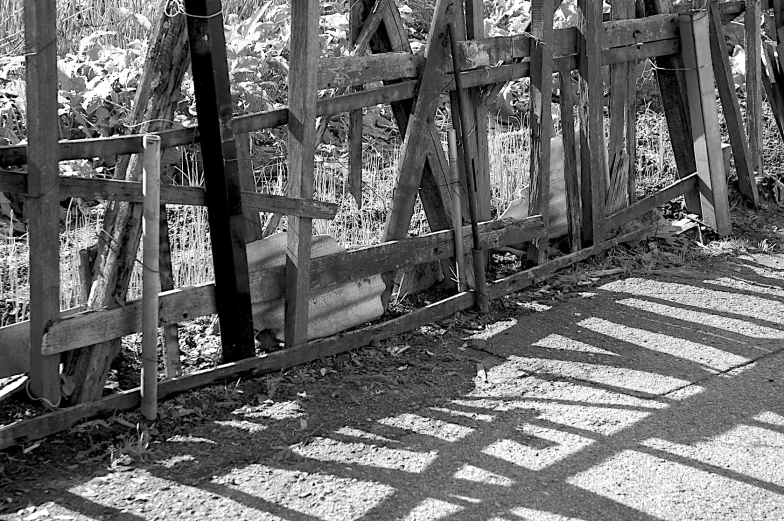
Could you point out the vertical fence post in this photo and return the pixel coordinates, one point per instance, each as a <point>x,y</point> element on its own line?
<point>151,194</point>
<point>593,166</point>
<point>222,179</point>
<point>704,116</point>
<point>541,112</point>
<point>43,186</point>
<point>754,82</point>
<point>302,146</point>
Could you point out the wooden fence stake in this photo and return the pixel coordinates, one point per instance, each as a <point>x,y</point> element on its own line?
<point>222,180</point>
<point>672,85</point>
<point>151,188</point>
<point>731,106</point>
<point>705,121</point>
<point>541,114</point>
<point>43,130</point>
<point>470,169</point>
<point>302,147</point>
<point>754,82</point>
<point>475,29</point>
<point>571,180</point>
<point>594,168</point>
<point>156,94</point>
<point>457,212</point>
<point>355,117</point>
<point>622,108</point>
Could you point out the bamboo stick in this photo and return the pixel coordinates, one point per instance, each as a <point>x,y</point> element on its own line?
<point>151,190</point>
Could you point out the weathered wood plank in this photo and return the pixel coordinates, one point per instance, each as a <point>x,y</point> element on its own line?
<point>622,102</point>
<point>15,345</point>
<point>305,208</point>
<point>571,179</point>
<point>106,189</point>
<point>302,147</point>
<point>672,85</point>
<point>541,120</point>
<point>488,52</point>
<point>151,227</point>
<point>355,117</point>
<point>640,208</point>
<point>753,47</point>
<point>704,118</point>
<point>90,327</point>
<point>592,146</point>
<point>43,127</point>
<point>475,29</point>
<point>347,71</point>
<point>731,107</point>
<point>221,179</point>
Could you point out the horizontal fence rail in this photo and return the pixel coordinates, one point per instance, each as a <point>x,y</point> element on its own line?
<point>82,329</point>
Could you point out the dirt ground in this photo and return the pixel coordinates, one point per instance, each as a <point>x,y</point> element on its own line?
<point>644,384</point>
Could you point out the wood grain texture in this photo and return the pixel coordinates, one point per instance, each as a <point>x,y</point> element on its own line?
<point>105,189</point>
<point>221,180</point>
<point>357,19</point>
<point>151,228</point>
<point>348,71</point>
<point>751,22</point>
<point>43,128</point>
<point>302,147</point>
<point>672,85</point>
<point>475,28</point>
<point>541,120</point>
<point>592,145</point>
<point>622,102</point>
<point>571,176</point>
<point>704,116</point>
<point>731,107</point>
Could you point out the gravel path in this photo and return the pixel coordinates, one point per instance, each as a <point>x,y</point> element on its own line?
<point>652,397</point>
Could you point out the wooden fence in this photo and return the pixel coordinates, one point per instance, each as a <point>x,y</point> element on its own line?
<point>678,40</point>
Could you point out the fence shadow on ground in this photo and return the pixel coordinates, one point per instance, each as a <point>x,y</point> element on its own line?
<point>655,397</point>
